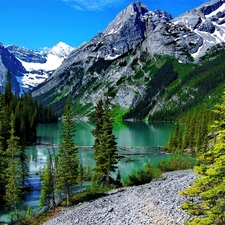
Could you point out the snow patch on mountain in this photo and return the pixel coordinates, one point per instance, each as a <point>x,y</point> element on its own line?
<point>52,63</point>
<point>54,58</point>
<point>208,22</point>
<point>214,13</point>
<point>38,72</point>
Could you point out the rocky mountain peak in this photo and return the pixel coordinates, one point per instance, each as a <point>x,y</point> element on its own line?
<point>26,55</point>
<point>61,50</point>
<point>207,22</point>
<point>208,8</point>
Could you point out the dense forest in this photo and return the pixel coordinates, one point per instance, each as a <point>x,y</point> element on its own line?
<point>19,117</point>
<point>202,85</point>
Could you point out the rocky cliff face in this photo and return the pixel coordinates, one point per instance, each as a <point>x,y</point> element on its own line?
<point>86,65</point>
<point>9,62</point>
<point>118,61</point>
<point>207,23</point>
<point>26,55</point>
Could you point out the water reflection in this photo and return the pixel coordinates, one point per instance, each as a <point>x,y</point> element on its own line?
<point>127,133</point>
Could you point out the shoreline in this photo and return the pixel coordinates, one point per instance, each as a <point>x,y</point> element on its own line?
<point>155,203</point>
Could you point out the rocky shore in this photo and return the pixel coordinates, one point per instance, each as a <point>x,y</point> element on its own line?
<point>156,203</point>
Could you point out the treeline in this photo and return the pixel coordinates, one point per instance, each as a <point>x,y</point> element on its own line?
<point>208,188</point>
<point>199,83</point>
<point>191,133</point>
<point>19,117</point>
<point>28,113</point>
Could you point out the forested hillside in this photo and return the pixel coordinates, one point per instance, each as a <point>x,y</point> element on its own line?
<point>19,116</point>
<point>202,85</point>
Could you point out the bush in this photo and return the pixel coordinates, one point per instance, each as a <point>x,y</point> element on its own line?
<point>176,163</point>
<point>142,176</point>
<point>87,194</point>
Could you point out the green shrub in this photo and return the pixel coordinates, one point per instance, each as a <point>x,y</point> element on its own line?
<point>88,194</point>
<point>142,176</point>
<point>176,163</point>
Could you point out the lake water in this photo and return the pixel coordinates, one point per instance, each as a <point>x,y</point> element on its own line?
<point>127,134</point>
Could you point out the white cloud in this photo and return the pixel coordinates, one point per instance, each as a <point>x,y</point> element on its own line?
<point>91,5</point>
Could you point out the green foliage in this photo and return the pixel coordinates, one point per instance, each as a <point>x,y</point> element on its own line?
<point>19,116</point>
<point>176,163</point>
<point>88,194</point>
<point>31,217</point>
<point>99,65</point>
<point>118,113</point>
<point>202,85</point>
<point>105,149</point>
<point>47,198</point>
<point>8,95</point>
<point>209,186</point>
<point>68,162</point>
<point>191,133</point>
<point>142,176</point>
<point>13,187</point>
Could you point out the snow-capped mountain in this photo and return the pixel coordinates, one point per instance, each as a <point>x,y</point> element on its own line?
<point>39,65</point>
<point>208,22</point>
<point>113,59</point>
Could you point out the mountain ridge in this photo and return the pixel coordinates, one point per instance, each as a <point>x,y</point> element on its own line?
<point>121,61</point>
<point>135,60</point>
<point>37,65</point>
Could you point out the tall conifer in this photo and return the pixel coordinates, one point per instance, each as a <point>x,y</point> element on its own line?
<point>105,146</point>
<point>13,172</point>
<point>8,95</point>
<point>68,161</point>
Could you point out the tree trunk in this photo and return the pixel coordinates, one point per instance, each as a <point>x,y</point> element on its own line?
<point>67,200</point>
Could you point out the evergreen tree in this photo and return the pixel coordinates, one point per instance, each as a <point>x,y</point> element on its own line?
<point>24,166</point>
<point>81,176</point>
<point>171,142</point>
<point>8,95</point>
<point>105,146</point>
<point>3,166</point>
<point>47,198</point>
<point>68,162</point>
<point>176,139</point>
<point>202,132</point>
<point>13,172</point>
<point>209,188</point>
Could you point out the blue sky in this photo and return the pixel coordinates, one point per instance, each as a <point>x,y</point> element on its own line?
<point>36,24</point>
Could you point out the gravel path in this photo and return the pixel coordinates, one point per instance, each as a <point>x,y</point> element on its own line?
<point>156,203</point>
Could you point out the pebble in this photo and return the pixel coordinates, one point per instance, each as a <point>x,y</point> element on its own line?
<point>155,203</point>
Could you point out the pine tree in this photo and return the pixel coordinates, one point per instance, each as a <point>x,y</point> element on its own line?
<point>13,172</point>
<point>3,166</point>
<point>47,198</point>
<point>202,132</point>
<point>81,176</point>
<point>68,161</point>
<point>8,95</point>
<point>171,142</point>
<point>3,162</point>
<point>105,146</point>
<point>209,188</point>
<point>24,166</point>
<point>189,137</point>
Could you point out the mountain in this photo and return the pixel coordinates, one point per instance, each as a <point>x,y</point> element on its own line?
<point>83,66</point>
<point>39,65</point>
<point>136,60</point>
<point>9,62</point>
